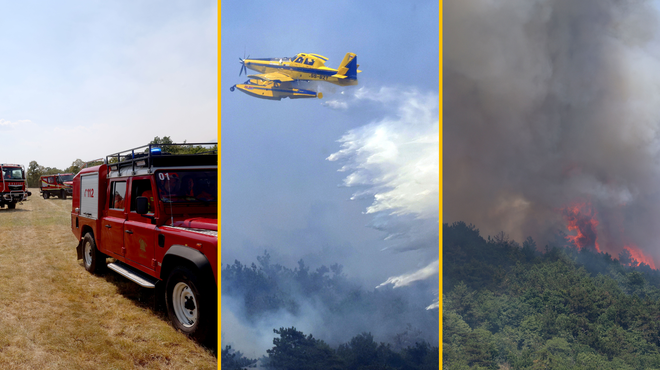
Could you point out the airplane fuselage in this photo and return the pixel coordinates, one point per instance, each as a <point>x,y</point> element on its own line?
<point>278,77</point>
<point>297,71</point>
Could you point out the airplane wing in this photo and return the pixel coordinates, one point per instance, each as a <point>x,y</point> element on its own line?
<point>273,76</point>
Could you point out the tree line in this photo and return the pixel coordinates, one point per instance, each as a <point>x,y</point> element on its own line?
<point>507,305</point>
<point>293,350</point>
<point>397,316</point>
<point>35,170</point>
<point>393,324</point>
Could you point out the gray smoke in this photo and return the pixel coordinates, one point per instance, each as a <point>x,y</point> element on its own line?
<point>551,103</point>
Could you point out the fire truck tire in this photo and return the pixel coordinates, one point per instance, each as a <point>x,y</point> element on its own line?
<point>93,260</point>
<point>191,309</point>
<point>46,195</point>
<point>11,205</point>
<point>62,194</point>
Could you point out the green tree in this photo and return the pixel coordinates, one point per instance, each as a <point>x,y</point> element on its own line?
<point>479,349</point>
<point>234,360</point>
<point>421,356</point>
<point>166,142</point>
<point>555,354</point>
<point>76,166</point>
<point>34,172</point>
<point>363,353</point>
<point>295,351</point>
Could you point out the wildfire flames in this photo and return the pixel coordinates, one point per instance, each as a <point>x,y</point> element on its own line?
<point>581,218</point>
<point>637,257</point>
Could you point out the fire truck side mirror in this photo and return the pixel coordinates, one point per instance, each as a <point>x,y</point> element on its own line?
<point>142,205</point>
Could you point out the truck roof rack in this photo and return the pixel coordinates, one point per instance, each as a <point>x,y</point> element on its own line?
<point>162,155</point>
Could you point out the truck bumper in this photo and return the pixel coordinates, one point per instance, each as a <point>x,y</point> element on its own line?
<point>13,197</point>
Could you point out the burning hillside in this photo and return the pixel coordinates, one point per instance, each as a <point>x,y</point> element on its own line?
<point>637,257</point>
<point>549,102</point>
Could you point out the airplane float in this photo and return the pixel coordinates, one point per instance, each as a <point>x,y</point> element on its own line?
<point>278,75</point>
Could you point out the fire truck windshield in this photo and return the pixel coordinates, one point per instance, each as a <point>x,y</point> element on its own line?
<point>66,177</point>
<point>12,173</point>
<point>187,186</point>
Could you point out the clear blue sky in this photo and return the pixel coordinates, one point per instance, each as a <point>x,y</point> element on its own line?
<point>86,79</point>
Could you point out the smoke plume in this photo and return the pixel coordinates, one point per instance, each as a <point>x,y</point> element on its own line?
<point>551,105</point>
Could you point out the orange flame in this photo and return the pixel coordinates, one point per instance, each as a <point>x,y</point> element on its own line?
<point>581,218</point>
<point>638,257</point>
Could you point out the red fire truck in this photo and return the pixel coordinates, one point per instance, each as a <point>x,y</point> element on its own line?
<point>13,188</point>
<point>155,215</point>
<point>56,185</point>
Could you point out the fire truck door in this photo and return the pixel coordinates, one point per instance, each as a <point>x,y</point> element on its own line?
<point>112,238</point>
<point>139,238</point>
<point>139,232</point>
<point>112,225</point>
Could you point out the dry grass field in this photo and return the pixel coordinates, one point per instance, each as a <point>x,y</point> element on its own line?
<point>55,315</point>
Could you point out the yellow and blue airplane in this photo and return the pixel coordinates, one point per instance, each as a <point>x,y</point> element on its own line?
<point>279,74</point>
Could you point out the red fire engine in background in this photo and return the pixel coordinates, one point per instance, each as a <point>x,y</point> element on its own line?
<point>13,188</point>
<point>155,215</point>
<point>59,185</point>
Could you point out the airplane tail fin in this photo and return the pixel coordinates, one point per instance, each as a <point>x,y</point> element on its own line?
<point>348,67</point>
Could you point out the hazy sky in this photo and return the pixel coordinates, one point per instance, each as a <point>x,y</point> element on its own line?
<point>279,191</point>
<point>83,79</point>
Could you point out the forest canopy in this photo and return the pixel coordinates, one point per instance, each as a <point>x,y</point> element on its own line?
<point>391,327</point>
<point>507,305</point>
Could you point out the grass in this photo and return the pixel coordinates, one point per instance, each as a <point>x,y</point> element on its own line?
<point>55,315</point>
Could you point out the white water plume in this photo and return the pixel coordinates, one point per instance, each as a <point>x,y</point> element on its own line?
<point>407,279</point>
<point>396,162</point>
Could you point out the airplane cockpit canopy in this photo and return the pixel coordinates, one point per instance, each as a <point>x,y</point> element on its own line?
<point>309,59</point>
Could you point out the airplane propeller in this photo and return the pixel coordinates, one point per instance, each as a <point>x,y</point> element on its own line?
<point>243,67</point>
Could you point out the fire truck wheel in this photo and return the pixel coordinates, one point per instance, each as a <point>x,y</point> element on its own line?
<point>93,260</point>
<point>46,195</point>
<point>62,194</point>
<point>190,309</point>
<point>11,205</point>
